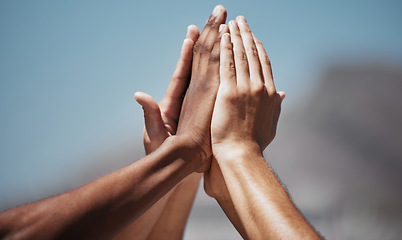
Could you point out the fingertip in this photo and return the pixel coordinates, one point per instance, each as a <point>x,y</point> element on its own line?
<point>220,12</point>
<point>143,98</point>
<point>137,95</point>
<point>226,38</point>
<point>219,9</point>
<point>187,49</point>
<point>221,27</point>
<point>192,32</point>
<point>241,19</point>
<point>282,95</point>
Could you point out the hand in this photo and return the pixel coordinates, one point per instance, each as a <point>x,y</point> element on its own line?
<point>161,121</point>
<point>247,107</point>
<point>195,117</point>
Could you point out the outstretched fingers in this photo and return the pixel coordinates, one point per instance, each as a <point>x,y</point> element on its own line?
<point>266,67</point>
<point>240,57</point>
<point>208,44</point>
<point>227,65</point>
<point>214,58</point>
<point>171,103</point>
<point>250,48</point>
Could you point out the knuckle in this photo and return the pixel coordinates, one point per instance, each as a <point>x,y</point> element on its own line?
<point>214,24</point>
<point>253,51</point>
<point>210,21</point>
<point>247,30</point>
<point>205,49</point>
<point>242,56</point>
<point>214,58</point>
<point>230,65</point>
<point>271,92</point>
<point>267,60</point>
<point>258,88</point>
<point>196,47</point>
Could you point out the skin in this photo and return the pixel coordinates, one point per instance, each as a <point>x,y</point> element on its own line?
<point>244,122</point>
<point>161,122</point>
<point>102,208</point>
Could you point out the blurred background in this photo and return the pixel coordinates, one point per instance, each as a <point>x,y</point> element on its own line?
<point>68,71</point>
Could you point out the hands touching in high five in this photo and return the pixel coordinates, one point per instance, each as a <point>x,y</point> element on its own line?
<point>218,115</point>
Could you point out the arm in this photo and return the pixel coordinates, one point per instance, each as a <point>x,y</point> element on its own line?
<point>247,99</point>
<point>100,209</point>
<point>160,122</point>
<point>215,186</point>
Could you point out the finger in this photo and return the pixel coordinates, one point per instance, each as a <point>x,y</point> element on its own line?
<point>153,120</point>
<point>214,58</point>
<point>210,40</point>
<point>181,75</point>
<point>200,42</point>
<point>251,50</point>
<point>240,57</point>
<point>227,66</point>
<point>193,33</point>
<point>266,67</point>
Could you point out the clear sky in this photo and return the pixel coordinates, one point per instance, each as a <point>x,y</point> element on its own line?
<point>68,69</point>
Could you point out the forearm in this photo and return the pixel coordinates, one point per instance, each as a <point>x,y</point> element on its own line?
<point>230,211</point>
<point>143,225</point>
<point>174,217</point>
<point>262,204</point>
<point>101,208</point>
<point>168,216</point>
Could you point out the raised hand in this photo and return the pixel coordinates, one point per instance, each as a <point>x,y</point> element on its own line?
<point>196,113</point>
<point>247,106</point>
<point>244,122</point>
<point>233,122</point>
<point>161,120</point>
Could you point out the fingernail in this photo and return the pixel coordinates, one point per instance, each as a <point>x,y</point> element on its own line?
<point>241,19</point>
<point>221,27</point>
<point>226,37</point>
<point>232,23</point>
<point>215,11</point>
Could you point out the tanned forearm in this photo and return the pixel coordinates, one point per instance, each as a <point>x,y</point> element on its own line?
<point>142,226</point>
<point>98,210</point>
<point>230,211</point>
<point>168,216</point>
<point>173,219</point>
<point>260,200</point>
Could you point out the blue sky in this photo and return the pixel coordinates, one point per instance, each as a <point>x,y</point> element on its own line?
<point>68,70</point>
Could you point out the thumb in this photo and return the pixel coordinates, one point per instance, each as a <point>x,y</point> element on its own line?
<point>154,126</point>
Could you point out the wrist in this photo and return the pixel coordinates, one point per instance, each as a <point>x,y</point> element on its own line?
<point>191,154</point>
<point>236,150</point>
